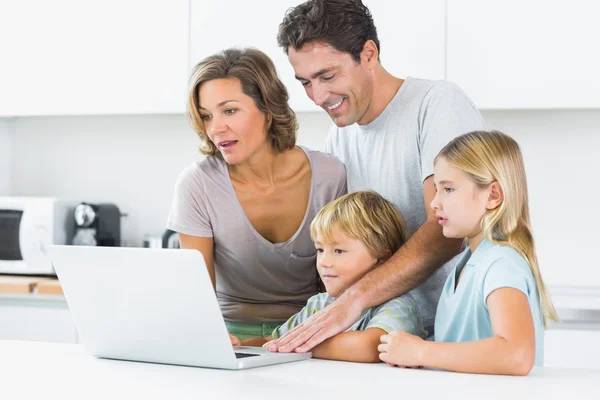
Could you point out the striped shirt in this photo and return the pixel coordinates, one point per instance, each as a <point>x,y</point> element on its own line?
<point>400,313</point>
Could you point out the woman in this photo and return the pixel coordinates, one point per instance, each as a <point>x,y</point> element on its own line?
<point>248,206</point>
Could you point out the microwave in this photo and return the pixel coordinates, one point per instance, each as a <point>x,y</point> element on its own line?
<point>28,225</point>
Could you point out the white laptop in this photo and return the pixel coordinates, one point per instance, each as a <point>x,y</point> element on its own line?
<point>152,305</point>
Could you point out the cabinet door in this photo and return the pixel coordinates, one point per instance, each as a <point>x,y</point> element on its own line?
<point>44,320</point>
<point>525,54</point>
<point>411,35</point>
<point>572,348</point>
<point>74,57</point>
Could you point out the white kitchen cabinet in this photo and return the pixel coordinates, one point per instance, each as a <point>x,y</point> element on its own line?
<point>511,54</point>
<point>41,318</point>
<point>411,36</point>
<point>70,57</point>
<point>572,348</point>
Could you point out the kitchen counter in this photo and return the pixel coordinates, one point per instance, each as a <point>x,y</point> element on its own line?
<point>66,371</point>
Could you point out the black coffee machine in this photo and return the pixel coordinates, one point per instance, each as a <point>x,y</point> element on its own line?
<point>97,225</point>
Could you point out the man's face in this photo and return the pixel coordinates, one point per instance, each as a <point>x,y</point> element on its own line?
<point>334,81</point>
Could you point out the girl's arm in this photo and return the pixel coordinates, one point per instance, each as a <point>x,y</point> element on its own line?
<point>356,346</point>
<point>510,352</point>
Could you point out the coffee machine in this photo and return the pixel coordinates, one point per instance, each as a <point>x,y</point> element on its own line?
<point>97,225</point>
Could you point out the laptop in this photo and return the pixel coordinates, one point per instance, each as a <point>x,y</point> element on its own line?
<point>151,305</point>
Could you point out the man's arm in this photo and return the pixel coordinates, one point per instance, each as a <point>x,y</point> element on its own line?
<point>424,252</point>
<point>355,346</point>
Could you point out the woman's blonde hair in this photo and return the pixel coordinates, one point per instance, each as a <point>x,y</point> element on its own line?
<point>364,216</point>
<point>258,77</point>
<point>486,157</point>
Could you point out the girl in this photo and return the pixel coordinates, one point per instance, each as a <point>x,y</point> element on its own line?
<point>494,306</point>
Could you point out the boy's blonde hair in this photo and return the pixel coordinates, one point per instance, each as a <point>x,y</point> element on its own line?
<point>364,216</point>
<point>486,157</point>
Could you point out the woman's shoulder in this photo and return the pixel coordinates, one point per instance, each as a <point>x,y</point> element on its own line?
<point>326,163</point>
<point>195,173</point>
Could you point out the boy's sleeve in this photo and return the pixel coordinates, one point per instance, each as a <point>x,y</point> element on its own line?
<point>504,273</point>
<point>313,305</point>
<point>400,313</point>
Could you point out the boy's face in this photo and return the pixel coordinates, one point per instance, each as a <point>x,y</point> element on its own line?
<point>342,262</point>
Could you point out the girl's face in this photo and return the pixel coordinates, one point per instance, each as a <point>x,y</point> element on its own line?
<point>460,204</point>
<point>231,120</point>
<point>342,262</point>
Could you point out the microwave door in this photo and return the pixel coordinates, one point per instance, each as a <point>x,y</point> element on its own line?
<point>10,246</point>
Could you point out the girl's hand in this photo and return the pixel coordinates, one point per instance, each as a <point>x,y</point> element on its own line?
<point>401,349</point>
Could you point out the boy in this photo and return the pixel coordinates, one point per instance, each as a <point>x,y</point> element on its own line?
<point>353,235</point>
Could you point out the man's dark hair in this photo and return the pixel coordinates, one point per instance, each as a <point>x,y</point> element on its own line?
<point>344,24</point>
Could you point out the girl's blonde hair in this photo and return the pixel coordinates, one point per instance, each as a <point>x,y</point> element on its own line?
<point>258,77</point>
<point>486,157</point>
<point>364,216</point>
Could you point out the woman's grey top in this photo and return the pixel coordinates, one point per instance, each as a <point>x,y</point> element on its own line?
<point>256,280</point>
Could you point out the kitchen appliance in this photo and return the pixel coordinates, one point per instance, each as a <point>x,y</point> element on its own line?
<point>28,225</point>
<point>97,225</point>
<point>170,240</point>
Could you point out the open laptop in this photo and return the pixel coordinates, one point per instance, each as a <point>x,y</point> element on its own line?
<point>152,305</point>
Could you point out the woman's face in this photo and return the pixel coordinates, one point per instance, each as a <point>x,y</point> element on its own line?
<point>231,120</point>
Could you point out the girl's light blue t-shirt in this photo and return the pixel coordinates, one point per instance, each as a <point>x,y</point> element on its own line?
<point>462,314</point>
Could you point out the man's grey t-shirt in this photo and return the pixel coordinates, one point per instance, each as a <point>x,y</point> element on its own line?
<point>400,313</point>
<point>394,154</point>
<point>256,280</point>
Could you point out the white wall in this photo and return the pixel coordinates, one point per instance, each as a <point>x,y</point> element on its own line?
<point>134,161</point>
<point>5,160</point>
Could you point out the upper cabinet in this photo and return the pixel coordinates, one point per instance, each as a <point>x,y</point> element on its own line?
<point>411,36</point>
<point>71,57</point>
<point>511,54</point>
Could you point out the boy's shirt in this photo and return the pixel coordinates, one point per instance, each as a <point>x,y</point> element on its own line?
<point>400,313</point>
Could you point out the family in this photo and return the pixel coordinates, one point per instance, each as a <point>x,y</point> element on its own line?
<point>408,241</point>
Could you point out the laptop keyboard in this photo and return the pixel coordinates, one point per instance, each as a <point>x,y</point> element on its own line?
<point>245,355</point>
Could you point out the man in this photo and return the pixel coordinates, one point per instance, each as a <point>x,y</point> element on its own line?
<point>387,132</point>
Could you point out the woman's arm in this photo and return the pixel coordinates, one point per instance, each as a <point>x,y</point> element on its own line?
<point>205,246</point>
<point>256,341</point>
<point>511,351</point>
<point>356,346</point>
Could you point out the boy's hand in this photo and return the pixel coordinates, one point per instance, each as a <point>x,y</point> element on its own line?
<point>401,349</point>
<point>234,340</point>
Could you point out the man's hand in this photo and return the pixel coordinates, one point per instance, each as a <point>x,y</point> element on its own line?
<point>335,318</point>
<point>401,349</point>
<point>234,340</point>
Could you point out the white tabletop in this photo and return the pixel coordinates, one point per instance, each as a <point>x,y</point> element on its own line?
<point>65,371</point>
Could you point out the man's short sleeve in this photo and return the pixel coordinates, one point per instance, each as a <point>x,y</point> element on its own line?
<point>188,214</point>
<point>400,313</point>
<point>503,273</point>
<point>446,113</point>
